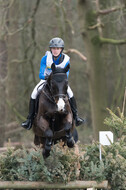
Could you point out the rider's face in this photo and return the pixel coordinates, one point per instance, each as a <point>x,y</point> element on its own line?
<point>56,51</point>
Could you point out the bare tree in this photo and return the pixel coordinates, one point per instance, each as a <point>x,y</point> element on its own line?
<point>94,31</point>
<point>3,67</point>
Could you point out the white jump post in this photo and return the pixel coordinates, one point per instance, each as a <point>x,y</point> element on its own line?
<point>105,138</point>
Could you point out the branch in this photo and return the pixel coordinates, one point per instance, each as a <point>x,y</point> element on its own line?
<point>112,41</point>
<point>31,20</point>
<point>33,36</point>
<point>19,61</point>
<point>124,101</point>
<point>95,26</point>
<point>13,109</point>
<point>99,24</point>
<point>107,11</point>
<point>76,52</point>
<point>19,29</point>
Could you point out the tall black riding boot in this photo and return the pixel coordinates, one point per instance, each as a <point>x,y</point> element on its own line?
<point>78,120</point>
<point>28,123</point>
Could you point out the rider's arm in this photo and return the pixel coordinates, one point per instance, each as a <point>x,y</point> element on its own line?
<point>42,68</point>
<point>69,69</point>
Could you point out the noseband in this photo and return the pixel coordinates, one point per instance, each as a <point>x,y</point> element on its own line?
<point>60,95</point>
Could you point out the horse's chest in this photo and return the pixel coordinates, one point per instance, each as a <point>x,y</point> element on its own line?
<point>54,117</point>
<point>50,110</point>
<point>57,122</point>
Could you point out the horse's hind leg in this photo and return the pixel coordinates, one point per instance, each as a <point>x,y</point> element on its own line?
<point>48,143</point>
<point>75,135</point>
<point>69,139</point>
<point>36,140</point>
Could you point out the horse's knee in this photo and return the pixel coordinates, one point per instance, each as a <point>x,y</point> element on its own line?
<point>48,133</point>
<point>68,127</point>
<point>48,141</point>
<point>68,130</point>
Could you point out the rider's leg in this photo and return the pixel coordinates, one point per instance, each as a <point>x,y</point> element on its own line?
<point>28,123</point>
<point>78,120</point>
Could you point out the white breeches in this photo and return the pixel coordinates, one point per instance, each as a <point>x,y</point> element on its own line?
<point>69,92</point>
<point>39,86</point>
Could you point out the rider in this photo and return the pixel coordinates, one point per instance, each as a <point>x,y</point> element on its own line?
<point>55,55</point>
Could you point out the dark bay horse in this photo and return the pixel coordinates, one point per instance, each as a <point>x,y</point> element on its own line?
<point>54,119</point>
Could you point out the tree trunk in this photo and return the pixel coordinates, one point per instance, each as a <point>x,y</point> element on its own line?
<point>3,64</point>
<point>96,71</point>
<point>3,73</point>
<point>13,80</point>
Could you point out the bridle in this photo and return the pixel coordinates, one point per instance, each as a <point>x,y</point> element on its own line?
<point>60,95</point>
<point>52,97</point>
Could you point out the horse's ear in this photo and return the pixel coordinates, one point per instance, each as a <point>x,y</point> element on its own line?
<point>67,68</point>
<point>53,67</point>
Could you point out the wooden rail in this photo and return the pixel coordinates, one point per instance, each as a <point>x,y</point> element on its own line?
<point>44,185</point>
<point>4,149</point>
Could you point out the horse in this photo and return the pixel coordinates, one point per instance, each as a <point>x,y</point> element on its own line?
<point>54,119</point>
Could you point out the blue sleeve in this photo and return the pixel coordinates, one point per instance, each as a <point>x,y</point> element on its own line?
<point>42,67</point>
<point>69,69</point>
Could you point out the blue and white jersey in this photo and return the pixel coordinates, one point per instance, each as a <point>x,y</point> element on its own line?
<point>47,61</point>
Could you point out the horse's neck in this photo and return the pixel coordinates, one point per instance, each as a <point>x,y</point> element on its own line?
<point>46,90</point>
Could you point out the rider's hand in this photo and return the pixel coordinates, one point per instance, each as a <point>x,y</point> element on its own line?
<point>46,77</point>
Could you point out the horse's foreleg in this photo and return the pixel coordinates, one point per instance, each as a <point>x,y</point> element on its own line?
<point>47,134</point>
<point>48,143</point>
<point>68,127</point>
<point>69,139</point>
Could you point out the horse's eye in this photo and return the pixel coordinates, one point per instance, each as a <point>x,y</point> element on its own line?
<point>52,84</point>
<point>66,86</point>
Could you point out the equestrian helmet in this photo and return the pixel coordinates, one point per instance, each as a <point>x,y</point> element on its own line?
<point>56,42</point>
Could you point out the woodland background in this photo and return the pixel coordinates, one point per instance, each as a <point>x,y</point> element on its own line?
<point>96,28</point>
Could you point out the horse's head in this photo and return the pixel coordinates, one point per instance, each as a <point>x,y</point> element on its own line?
<point>59,85</point>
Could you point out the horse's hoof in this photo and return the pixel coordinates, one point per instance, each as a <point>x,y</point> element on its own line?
<point>45,153</point>
<point>48,147</point>
<point>70,143</point>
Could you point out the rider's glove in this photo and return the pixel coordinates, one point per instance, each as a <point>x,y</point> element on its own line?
<point>46,77</point>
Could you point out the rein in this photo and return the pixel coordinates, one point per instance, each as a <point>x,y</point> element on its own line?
<point>46,88</point>
<point>51,98</point>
